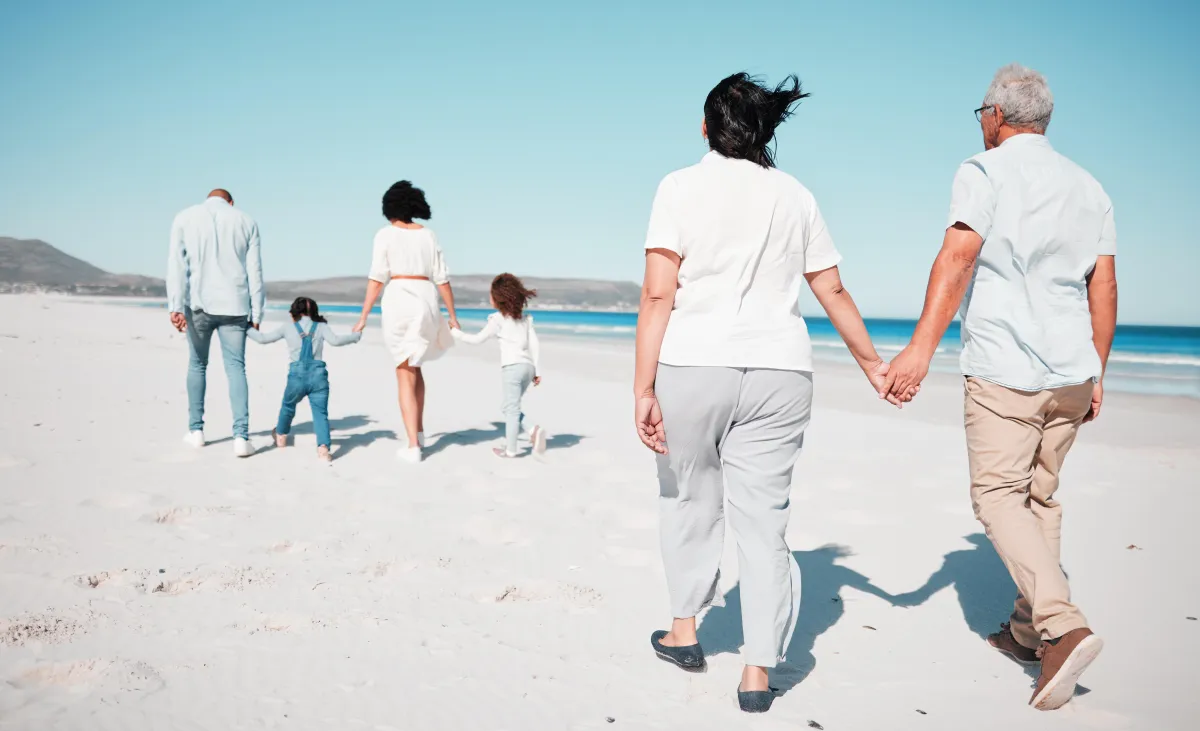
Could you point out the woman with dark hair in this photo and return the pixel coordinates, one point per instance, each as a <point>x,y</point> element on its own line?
<point>409,261</point>
<point>723,384</point>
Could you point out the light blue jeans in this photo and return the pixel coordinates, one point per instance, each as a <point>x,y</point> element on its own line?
<point>515,380</point>
<point>231,330</point>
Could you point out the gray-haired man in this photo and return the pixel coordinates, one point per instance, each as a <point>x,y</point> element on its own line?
<point>1029,252</point>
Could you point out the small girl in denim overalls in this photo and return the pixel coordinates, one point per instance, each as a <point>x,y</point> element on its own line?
<point>307,375</point>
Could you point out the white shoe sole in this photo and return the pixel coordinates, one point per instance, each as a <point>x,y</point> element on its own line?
<point>1061,688</point>
<point>193,442</point>
<point>411,456</point>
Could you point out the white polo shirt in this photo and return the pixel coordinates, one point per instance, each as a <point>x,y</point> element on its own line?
<point>1044,221</point>
<point>746,235</point>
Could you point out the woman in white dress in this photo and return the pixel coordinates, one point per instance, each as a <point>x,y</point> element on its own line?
<point>408,260</point>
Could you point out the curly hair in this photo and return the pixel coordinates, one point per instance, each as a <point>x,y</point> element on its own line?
<point>405,202</point>
<point>510,295</point>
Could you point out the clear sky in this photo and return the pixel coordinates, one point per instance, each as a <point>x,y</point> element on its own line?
<point>540,130</point>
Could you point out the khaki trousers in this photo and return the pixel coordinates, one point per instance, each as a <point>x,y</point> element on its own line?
<point>1016,444</point>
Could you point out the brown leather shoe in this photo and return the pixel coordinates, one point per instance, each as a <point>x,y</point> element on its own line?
<point>1063,661</point>
<point>1006,643</point>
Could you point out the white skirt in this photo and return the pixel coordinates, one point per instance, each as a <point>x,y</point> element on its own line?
<point>413,327</point>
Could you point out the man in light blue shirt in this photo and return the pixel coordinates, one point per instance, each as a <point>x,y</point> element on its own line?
<point>1029,251</point>
<point>215,285</point>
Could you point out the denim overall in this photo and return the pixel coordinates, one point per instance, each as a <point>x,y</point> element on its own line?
<point>307,377</point>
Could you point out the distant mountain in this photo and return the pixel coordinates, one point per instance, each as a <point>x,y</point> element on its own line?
<point>31,264</point>
<point>34,265</point>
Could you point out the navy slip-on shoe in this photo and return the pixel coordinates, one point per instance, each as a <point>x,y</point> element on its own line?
<point>690,658</point>
<point>756,701</point>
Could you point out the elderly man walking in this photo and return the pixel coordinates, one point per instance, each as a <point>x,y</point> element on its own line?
<point>215,285</point>
<point>1029,252</point>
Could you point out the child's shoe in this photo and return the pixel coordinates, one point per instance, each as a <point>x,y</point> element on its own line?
<point>412,455</point>
<point>503,453</point>
<point>323,455</point>
<point>280,439</point>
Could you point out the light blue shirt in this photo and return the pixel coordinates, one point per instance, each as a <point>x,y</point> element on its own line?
<point>215,264</point>
<point>288,333</point>
<point>1044,221</point>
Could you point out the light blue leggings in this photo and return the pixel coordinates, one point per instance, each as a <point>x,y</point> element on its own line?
<point>515,380</point>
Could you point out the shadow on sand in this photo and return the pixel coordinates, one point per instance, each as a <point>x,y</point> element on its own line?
<point>985,593</point>
<point>472,437</point>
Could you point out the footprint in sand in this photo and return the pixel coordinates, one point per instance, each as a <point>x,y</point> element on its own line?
<point>106,675</point>
<point>571,595</point>
<point>222,580</point>
<point>171,516</point>
<point>288,547</point>
<point>46,628</point>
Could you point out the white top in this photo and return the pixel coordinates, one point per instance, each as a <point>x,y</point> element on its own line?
<point>1044,220</point>
<point>518,340</point>
<point>215,262</point>
<point>407,252</point>
<point>295,338</point>
<point>746,235</point>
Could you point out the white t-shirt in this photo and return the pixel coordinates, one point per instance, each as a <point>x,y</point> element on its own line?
<point>518,340</point>
<point>408,252</point>
<point>746,235</point>
<point>1044,221</point>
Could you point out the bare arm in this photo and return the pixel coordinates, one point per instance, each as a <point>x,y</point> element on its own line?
<point>448,297</point>
<point>948,281</point>
<point>827,286</point>
<point>373,290</point>
<point>659,286</point>
<point>1102,301</point>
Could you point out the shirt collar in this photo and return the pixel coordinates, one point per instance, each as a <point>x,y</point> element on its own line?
<point>216,198</point>
<point>1030,138</point>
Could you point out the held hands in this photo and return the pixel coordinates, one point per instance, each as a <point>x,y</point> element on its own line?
<point>904,375</point>
<point>647,419</point>
<point>360,325</point>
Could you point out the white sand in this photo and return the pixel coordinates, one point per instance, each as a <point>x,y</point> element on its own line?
<point>143,585</point>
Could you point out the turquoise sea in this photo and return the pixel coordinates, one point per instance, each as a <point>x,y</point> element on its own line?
<point>1145,358</point>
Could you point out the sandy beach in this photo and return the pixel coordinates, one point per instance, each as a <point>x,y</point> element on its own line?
<point>145,585</point>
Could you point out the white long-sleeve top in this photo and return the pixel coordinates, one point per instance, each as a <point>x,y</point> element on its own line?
<point>518,339</point>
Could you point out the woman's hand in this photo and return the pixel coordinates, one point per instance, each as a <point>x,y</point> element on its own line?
<point>877,375</point>
<point>454,323</point>
<point>360,325</point>
<point>647,417</point>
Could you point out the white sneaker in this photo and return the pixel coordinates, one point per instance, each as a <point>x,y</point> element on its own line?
<point>194,439</point>
<point>412,455</point>
<point>242,447</point>
<point>538,437</point>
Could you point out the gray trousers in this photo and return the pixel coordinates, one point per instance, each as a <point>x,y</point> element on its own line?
<point>732,433</point>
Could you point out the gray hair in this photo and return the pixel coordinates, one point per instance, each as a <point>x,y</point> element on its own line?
<point>1024,97</point>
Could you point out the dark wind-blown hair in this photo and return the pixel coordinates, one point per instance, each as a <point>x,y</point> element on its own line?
<point>510,295</point>
<point>741,115</point>
<point>405,202</point>
<point>305,307</point>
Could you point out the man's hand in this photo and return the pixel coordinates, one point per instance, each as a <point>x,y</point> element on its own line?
<point>647,417</point>
<point>537,380</point>
<point>905,374</point>
<point>1097,399</point>
<point>178,321</point>
<point>877,375</point>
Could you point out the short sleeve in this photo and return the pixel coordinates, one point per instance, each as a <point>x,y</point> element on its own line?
<point>380,271</point>
<point>440,272</point>
<point>1108,235</point>
<point>664,225</point>
<point>819,251</point>
<point>972,199</point>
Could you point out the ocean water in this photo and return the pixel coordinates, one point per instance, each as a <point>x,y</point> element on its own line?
<point>1145,359</point>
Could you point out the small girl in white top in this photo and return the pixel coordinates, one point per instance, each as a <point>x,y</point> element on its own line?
<point>518,356</point>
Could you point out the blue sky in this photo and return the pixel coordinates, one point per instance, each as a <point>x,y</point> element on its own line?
<point>541,129</point>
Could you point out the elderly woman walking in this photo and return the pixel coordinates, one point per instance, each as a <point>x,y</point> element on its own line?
<point>724,374</point>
